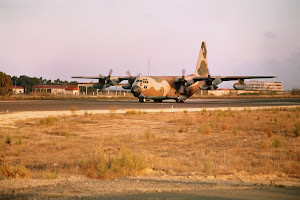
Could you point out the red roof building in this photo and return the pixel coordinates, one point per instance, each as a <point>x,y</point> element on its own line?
<point>56,89</point>
<point>17,89</point>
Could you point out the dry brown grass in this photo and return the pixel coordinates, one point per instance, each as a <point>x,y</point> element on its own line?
<point>207,142</point>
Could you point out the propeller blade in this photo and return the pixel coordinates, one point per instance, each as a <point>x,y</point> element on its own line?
<point>181,89</point>
<point>110,71</point>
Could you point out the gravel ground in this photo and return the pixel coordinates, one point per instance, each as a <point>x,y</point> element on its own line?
<point>79,187</point>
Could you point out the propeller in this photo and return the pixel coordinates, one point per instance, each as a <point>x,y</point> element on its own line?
<point>130,81</point>
<point>211,83</point>
<point>183,87</point>
<point>101,80</point>
<point>108,80</point>
<point>131,78</point>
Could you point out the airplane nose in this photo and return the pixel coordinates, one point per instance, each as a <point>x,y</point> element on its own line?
<point>136,91</point>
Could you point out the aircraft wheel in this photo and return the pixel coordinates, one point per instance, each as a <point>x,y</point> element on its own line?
<point>179,101</point>
<point>142,100</point>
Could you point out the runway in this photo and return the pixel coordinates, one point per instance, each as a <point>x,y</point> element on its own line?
<point>59,105</point>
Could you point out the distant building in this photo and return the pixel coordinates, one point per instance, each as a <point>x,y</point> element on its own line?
<point>72,90</point>
<point>56,89</point>
<point>17,89</point>
<point>264,86</point>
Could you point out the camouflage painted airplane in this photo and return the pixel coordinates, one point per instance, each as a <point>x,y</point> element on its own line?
<point>178,88</point>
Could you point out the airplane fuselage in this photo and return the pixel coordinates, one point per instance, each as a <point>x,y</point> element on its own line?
<point>160,88</point>
<point>178,88</point>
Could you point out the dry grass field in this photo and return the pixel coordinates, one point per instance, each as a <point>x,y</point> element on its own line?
<point>207,143</point>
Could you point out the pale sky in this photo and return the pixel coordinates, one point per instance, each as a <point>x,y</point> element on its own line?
<point>64,38</point>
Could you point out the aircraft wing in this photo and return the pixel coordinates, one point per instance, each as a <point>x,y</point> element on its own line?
<point>121,78</point>
<point>106,81</point>
<point>229,78</point>
<point>88,77</point>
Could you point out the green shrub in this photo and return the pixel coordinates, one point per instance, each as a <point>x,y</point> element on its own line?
<point>8,171</point>
<point>8,140</point>
<point>149,134</point>
<point>133,112</point>
<point>208,167</point>
<point>127,163</point>
<point>204,129</point>
<point>48,121</point>
<point>203,111</point>
<point>105,165</point>
<point>277,143</point>
<point>264,144</point>
<point>236,131</point>
<point>19,141</point>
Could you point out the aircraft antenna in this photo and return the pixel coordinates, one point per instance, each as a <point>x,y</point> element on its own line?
<point>148,65</point>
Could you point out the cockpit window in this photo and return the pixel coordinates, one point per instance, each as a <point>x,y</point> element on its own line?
<point>144,81</point>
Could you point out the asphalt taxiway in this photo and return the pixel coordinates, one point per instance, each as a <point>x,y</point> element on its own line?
<point>67,105</point>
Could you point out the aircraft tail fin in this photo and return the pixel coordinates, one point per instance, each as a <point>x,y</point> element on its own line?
<point>201,68</point>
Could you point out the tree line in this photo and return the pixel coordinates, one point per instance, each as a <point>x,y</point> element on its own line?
<point>6,82</point>
<point>28,82</point>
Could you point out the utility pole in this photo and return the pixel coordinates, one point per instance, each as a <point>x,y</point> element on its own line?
<point>15,91</point>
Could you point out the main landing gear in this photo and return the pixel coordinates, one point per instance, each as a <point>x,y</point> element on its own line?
<point>158,100</point>
<point>179,101</point>
<point>142,100</point>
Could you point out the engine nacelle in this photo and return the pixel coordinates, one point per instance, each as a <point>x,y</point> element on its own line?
<point>100,86</point>
<point>216,82</point>
<point>189,82</point>
<point>114,81</point>
<point>239,86</point>
<point>208,87</point>
<point>126,86</point>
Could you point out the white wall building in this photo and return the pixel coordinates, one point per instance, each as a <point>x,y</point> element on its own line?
<point>56,89</point>
<point>18,90</point>
<point>264,85</point>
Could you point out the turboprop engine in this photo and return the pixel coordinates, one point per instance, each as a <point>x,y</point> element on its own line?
<point>107,81</point>
<point>210,84</point>
<point>239,86</point>
<point>130,82</point>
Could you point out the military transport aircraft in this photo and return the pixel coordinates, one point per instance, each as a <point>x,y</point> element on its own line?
<point>178,88</point>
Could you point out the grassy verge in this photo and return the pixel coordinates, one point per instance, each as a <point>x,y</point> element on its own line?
<point>114,145</point>
<point>129,96</point>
